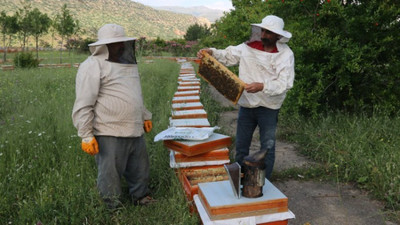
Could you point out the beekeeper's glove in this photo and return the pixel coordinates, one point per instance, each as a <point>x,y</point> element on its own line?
<point>90,146</point>
<point>148,125</point>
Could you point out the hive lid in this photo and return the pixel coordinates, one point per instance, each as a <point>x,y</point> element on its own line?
<point>189,83</point>
<point>202,122</point>
<point>180,99</point>
<point>193,113</point>
<point>220,203</point>
<point>188,88</point>
<point>187,106</point>
<point>275,218</point>
<point>178,162</point>
<point>192,148</point>
<point>187,93</point>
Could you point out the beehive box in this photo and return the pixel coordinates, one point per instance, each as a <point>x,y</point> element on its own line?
<point>187,71</point>
<point>194,113</point>
<point>192,148</point>
<point>183,99</point>
<point>189,83</point>
<point>187,93</point>
<point>189,122</point>
<point>188,88</point>
<point>214,155</point>
<point>224,81</point>
<point>220,203</point>
<point>188,78</point>
<point>187,75</point>
<point>7,67</point>
<point>268,219</point>
<point>191,177</point>
<point>187,106</point>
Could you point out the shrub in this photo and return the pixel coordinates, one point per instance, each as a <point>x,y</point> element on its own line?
<point>83,45</point>
<point>25,60</point>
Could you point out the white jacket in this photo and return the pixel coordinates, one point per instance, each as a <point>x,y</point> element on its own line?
<point>274,70</point>
<point>108,99</point>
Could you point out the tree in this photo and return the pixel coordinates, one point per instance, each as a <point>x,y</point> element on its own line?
<point>65,25</point>
<point>9,26</point>
<point>196,32</point>
<point>24,23</point>
<point>40,24</point>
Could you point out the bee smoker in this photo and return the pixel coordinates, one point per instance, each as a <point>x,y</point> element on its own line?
<point>251,175</point>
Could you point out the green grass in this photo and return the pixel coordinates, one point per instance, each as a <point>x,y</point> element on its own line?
<point>352,148</point>
<point>45,176</point>
<point>51,57</point>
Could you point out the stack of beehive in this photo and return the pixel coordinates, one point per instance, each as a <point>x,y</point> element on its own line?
<point>199,166</point>
<point>195,161</point>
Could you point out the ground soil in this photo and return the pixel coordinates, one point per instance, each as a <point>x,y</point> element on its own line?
<point>313,202</point>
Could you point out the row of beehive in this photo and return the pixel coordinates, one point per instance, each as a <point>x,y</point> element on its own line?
<point>202,162</point>
<point>195,161</point>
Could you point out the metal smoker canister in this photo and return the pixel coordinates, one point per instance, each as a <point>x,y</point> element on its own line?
<point>254,175</point>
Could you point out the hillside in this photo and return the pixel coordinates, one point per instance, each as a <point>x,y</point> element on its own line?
<point>199,11</point>
<point>139,20</point>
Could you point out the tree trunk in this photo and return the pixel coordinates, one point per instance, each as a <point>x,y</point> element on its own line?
<point>23,42</point>
<point>5,49</point>
<point>62,40</point>
<point>37,47</point>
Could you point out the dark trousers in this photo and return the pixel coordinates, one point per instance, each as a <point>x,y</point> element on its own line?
<point>266,119</point>
<point>119,157</point>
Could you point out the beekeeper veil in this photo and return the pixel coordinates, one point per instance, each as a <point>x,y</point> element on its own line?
<point>113,45</point>
<point>271,23</point>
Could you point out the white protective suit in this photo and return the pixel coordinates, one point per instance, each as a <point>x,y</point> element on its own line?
<point>108,98</point>
<point>274,70</point>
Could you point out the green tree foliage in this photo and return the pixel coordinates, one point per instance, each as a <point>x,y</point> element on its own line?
<point>65,25</point>
<point>40,24</point>
<point>234,28</point>
<point>24,23</point>
<point>9,26</point>
<point>346,51</point>
<point>160,42</point>
<point>196,32</point>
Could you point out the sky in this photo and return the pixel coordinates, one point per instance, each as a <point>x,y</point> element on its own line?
<point>212,4</point>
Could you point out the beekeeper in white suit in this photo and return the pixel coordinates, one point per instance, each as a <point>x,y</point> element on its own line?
<point>110,116</point>
<point>266,65</point>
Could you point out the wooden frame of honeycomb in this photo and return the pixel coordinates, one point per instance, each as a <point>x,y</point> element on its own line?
<point>216,74</point>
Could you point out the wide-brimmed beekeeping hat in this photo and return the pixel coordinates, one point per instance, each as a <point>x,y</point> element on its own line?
<point>111,33</point>
<point>274,24</point>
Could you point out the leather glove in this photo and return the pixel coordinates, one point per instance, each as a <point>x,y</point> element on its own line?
<point>90,146</point>
<point>148,125</point>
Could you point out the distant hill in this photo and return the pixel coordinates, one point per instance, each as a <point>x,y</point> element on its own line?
<point>198,11</point>
<point>139,20</point>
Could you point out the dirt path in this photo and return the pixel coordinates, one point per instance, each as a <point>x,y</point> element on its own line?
<point>313,202</point>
